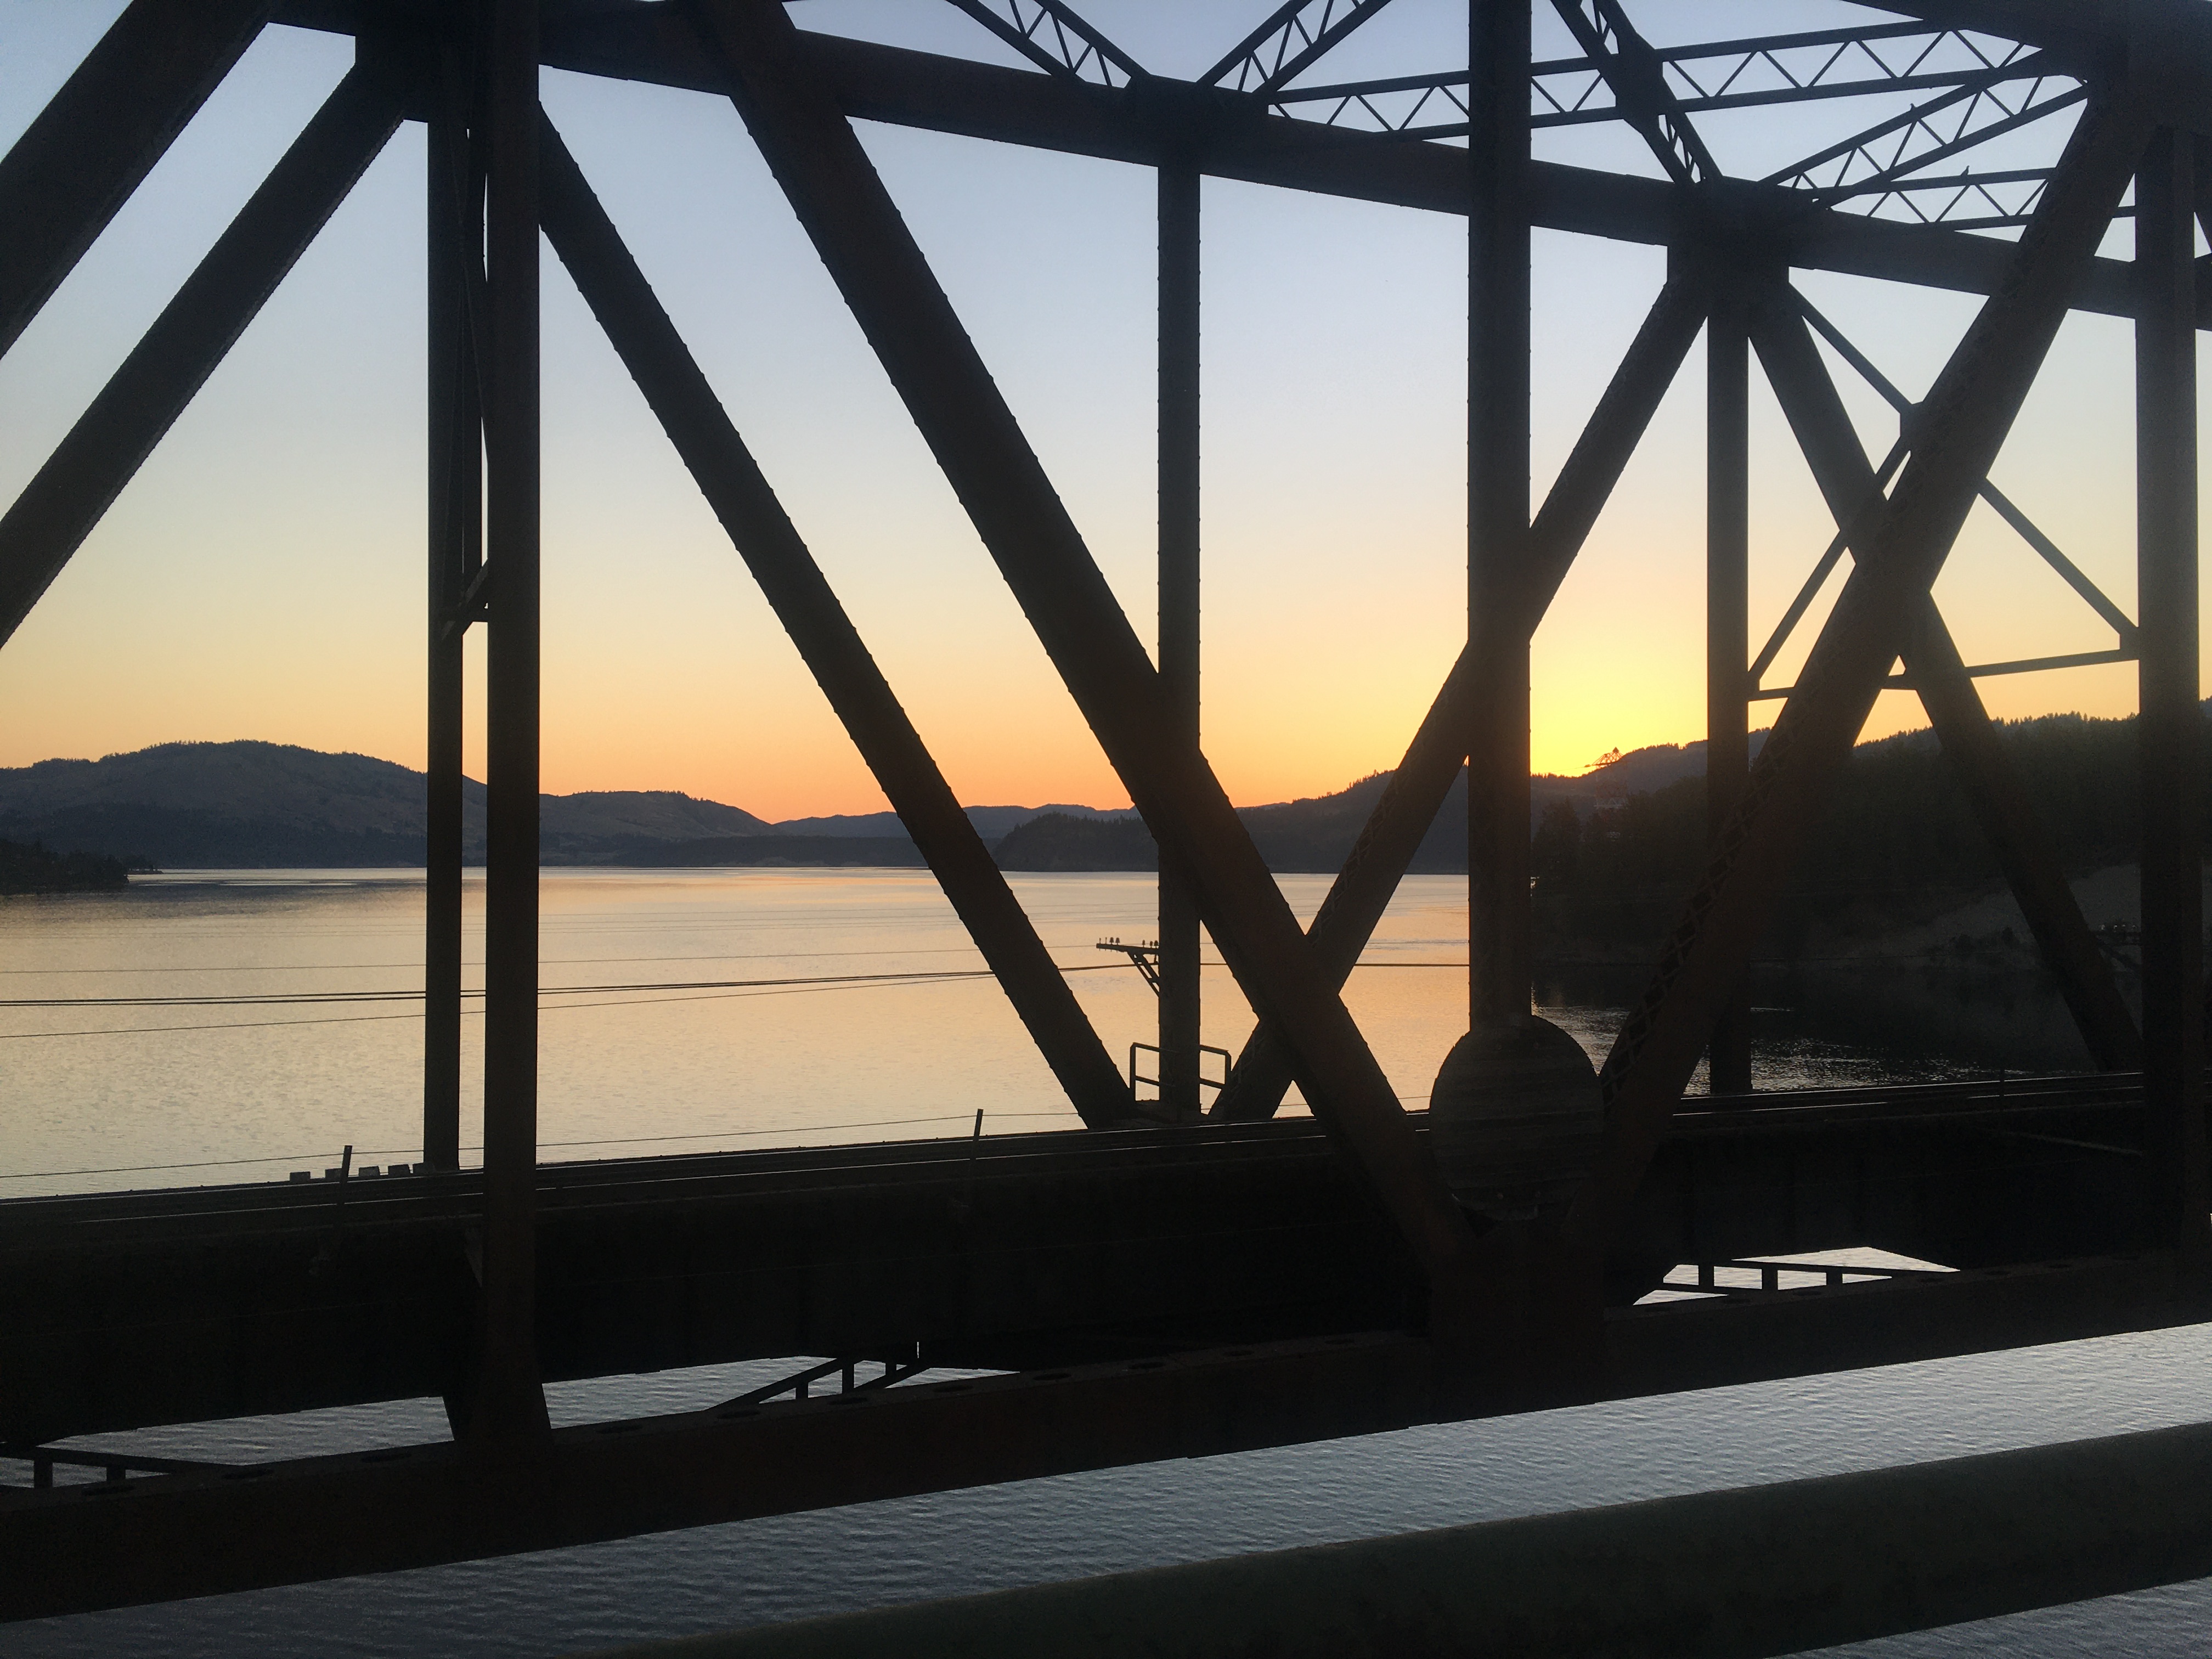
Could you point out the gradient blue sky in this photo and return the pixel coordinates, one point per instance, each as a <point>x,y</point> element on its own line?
<point>262,576</point>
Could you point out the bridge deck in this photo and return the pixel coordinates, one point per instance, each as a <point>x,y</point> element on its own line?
<point>126,1309</point>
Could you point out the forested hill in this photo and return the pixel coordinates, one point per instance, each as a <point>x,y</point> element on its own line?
<point>1896,819</point>
<point>273,805</point>
<point>246,806</point>
<point>1316,833</point>
<point>33,869</point>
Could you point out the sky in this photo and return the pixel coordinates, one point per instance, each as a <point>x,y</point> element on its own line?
<point>262,577</point>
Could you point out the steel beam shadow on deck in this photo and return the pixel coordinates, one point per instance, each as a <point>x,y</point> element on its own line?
<point>214,1531</point>
<point>1842,1558</point>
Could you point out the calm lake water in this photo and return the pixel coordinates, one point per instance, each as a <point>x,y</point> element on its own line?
<point>698,1009</point>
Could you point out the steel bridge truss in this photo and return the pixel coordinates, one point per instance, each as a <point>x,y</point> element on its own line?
<point>1514,1314</point>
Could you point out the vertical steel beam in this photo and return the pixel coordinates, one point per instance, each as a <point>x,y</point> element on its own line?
<point>806,605</point>
<point>1179,992</point>
<point>1992,786</point>
<point>1728,624</point>
<point>1500,928</point>
<point>2171,722</point>
<point>2203,171</point>
<point>143,397</point>
<point>2202,161</point>
<point>509,1402</point>
<point>811,148</point>
<point>1967,414</point>
<point>1638,81</point>
<point>1417,789</point>
<point>77,163</point>
<point>455,242</point>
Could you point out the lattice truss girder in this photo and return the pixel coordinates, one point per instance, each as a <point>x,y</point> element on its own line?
<point>1983,85</point>
<point>1293,39</point>
<point>1051,36</point>
<point>1979,88</point>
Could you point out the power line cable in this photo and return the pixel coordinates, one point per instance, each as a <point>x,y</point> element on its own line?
<point>630,996</point>
<point>550,961</point>
<point>312,998</point>
<point>315,999</point>
<point>548,1146</point>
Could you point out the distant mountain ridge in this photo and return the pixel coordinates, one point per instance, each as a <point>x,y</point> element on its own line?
<point>254,804</point>
<point>247,805</point>
<point>1315,834</point>
<point>991,822</point>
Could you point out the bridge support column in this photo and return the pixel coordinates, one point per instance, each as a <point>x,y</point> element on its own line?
<point>1179,614</point>
<point>456,492</point>
<point>509,1403</point>
<point>1499,920</point>
<point>1727,624</point>
<point>2171,724</point>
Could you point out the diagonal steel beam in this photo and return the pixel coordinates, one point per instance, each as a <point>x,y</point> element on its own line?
<point>655,353</point>
<point>1081,47</point>
<point>1816,580</point>
<point>855,226</point>
<point>1993,787</point>
<point>1295,37</point>
<point>2071,574</point>
<point>142,400</point>
<point>1410,801</point>
<point>1901,166</point>
<point>78,162</point>
<point>1967,414</point>
<point>2170,38</point>
<point>1640,91</point>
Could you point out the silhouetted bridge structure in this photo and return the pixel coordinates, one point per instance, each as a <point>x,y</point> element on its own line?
<point>1170,1282</point>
